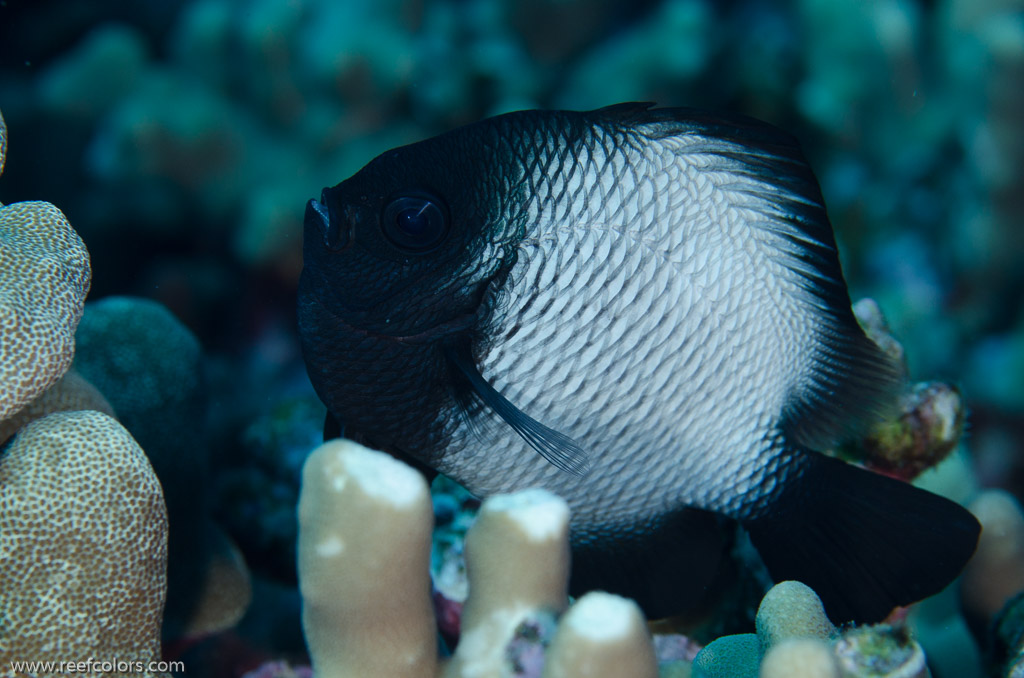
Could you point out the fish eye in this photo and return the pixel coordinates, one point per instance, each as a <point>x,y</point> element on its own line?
<point>415,223</point>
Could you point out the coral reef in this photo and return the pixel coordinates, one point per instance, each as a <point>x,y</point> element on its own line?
<point>3,144</point>
<point>884,651</point>
<point>794,638</point>
<point>83,528</point>
<point>363,544</point>
<point>83,535</point>
<point>908,112</point>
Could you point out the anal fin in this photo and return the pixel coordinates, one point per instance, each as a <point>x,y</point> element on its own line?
<point>864,542</point>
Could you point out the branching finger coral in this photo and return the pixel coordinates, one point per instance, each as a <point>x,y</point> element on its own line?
<point>364,554</point>
<point>364,547</point>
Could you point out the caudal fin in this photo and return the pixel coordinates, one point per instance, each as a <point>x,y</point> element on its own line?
<point>865,543</point>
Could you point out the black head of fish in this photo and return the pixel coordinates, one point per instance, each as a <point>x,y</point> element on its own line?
<point>397,261</point>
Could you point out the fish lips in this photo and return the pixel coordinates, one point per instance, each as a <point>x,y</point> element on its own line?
<point>322,218</point>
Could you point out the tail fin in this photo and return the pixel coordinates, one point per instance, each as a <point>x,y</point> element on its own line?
<point>865,543</point>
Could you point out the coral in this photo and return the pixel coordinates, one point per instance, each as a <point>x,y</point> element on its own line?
<point>908,112</point>
<point>149,366</point>
<point>225,593</point>
<point>44,277</point>
<point>97,73</point>
<point>257,485</point>
<point>927,423</point>
<point>601,635</point>
<point>794,633</point>
<point>71,392</point>
<point>672,46</point>
<point>927,429</point>
<point>735,656</point>
<point>996,572</point>
<point>364,549</point>
<point>517,560</point>
<point>791,609</point>
<point>1006,654</point>
<point>880,651</point>
<point>992,585</point>
<point>364,530</point>
<point>873,321</point>
<point>800,658</point>
<point>83,542</point>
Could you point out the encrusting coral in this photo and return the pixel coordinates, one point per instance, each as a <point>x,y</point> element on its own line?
<point>880,651</point>
<point>792,630</point>
<point>83,538</point>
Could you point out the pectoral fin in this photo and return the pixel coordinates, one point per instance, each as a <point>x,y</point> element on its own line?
<point>559,449</point>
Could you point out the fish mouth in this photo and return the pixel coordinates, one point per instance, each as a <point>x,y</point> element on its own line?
<point>321,216</point>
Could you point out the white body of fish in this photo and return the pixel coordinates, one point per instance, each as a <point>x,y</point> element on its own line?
<point>659,315</point>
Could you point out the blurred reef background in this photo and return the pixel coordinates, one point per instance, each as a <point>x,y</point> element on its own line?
<point>182,139</point>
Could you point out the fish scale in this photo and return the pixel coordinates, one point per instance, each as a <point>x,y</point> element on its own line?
<point>554,268</point>
<point>641,310</point>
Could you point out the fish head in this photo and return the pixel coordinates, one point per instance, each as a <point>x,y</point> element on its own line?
<point>397,262</point>
<point>409,240</point>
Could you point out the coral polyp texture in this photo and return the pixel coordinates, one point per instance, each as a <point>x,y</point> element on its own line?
<point>44,277</point>
<point>70,393</point>
<point>83,540</point>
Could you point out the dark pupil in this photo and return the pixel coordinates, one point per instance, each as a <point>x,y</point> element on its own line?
<point>415,223</point>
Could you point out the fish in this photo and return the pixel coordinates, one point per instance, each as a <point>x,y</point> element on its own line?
<point>642,310</point>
